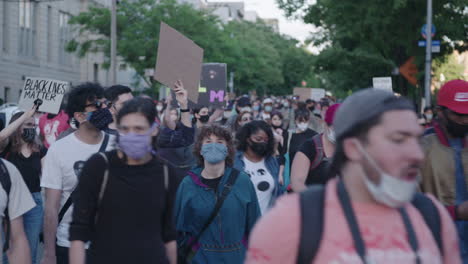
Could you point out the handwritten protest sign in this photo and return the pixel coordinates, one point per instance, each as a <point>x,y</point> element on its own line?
<point>303,93</point>
<point>213,84</point>
<point>179,58</point>
<point>50,91</point>
<point>318,94</point>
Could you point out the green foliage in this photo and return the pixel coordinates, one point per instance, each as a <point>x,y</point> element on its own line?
<point>370,38</point>
<point>261,59</point>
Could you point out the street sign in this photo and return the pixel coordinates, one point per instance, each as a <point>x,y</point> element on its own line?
<point>435,45</point>
<point>384,83</point>
<point>423,31</point>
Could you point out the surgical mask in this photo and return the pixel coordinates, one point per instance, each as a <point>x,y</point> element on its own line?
<point>28,135</point>
<point>136,146</point>
<point>302,126</point>
<point>331,135</point>
<point>455,129</point>
<point>265,116</point>
<point>286,105</point>
<point>159,108</point>
<point>268,108</point>
<point>214,153</point>
<point>259,148</point>
<point>256,107</point>
<point>100,118</point>
<point>246,109</point>
<point>390,191</point>
<point>428,117</point>
<point>204,118</point>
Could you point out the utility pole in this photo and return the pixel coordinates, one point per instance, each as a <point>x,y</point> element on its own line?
<point>114,42</point>
<point>427,72</point>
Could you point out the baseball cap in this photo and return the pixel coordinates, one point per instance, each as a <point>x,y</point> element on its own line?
<point>363,106</point>
<point>330,114</point>
<point>267,101</point>
<point>454,96</point>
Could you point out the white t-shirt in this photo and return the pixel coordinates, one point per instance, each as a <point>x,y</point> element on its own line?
<point>62,165</point>
<point>20,200</point>
<point>262,180</point>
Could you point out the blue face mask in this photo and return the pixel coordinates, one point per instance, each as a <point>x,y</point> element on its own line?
<point>214,153</point>
<point>268,108</point>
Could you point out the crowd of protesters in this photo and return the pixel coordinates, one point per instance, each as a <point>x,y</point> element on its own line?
<point>117,178</point>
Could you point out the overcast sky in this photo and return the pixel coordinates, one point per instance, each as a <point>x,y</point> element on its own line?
<point>269,9</point>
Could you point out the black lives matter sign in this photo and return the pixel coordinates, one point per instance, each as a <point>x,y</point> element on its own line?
<point>50,91</point>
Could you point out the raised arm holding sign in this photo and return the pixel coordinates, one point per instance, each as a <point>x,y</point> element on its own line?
<point>46,93</point>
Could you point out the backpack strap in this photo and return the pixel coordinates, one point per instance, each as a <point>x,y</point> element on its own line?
<point>69,201</point>
<point>5,181</point>
<point>105,179</point>
<point>317,139</point>
<point>312,203</point>
<point>431,216</point>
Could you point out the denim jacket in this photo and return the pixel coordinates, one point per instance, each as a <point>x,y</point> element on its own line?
<point>272,166</point>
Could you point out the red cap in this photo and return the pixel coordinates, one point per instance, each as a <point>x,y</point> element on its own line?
<point>454,96</point>
<point>330,114</point>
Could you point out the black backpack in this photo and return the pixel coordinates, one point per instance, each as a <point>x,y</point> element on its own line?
<point>312,212</point>
<point>5,181</point>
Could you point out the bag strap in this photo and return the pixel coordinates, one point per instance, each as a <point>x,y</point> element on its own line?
<point>226,190</point>
<point>317,139</point>
<point>5,181</point>
<point>69,201</point>
<point>312,203</point>
<point>431,216</point>
<point>105,179</point>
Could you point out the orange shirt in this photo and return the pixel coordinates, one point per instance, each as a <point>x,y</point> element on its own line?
<point>275,238</point>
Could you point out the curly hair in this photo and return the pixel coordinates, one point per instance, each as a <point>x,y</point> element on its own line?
<point>80,94</point>
<point>251,128</point>
<point>219,132</point>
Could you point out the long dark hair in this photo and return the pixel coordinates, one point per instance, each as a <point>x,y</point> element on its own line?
<point>251,128</point>
<point>16,139</point>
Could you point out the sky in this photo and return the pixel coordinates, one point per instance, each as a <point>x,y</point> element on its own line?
<point>269,9</point>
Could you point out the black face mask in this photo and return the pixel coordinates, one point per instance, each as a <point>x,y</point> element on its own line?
<point>456,130</point>
<point>259,148</point>
<point>28,135</point>
<point>100,118</point>
<point>276,127</point>
<point>204,118</point>
<point>311,108</point>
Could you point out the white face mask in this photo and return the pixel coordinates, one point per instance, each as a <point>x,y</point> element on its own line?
<point>265,116</point>
<point>227,114</point>
<point>391,191</point>
<point>246,109</point>
<point>331,135</point>
<point>302,126</point>
<point>159,108</point>
<point>429,117</point>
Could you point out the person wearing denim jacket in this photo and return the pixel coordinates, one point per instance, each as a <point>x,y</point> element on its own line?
<point>256,139</point>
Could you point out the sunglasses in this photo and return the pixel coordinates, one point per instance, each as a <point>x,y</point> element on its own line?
<point>97,104</point>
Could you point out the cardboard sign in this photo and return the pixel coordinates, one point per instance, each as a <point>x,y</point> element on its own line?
<point>179,58</point>
<point>318,94</point>
<point>50,91</point>
<point>384,83</point>
<point>213,85</point>
<point>303,93</point>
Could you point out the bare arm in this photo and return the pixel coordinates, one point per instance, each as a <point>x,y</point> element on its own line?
<point>19,252</point>
<point>216,114</point>
<point>11,128</point>
<point>299,172</point>
<point>181,96</point>
<point>171,252</point>
<point>51,210</point>
<point>77,252</point>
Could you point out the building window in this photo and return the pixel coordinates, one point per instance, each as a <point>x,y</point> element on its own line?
<point>5,27</point>
<point>27,27</point>
<point>64,38</point>
<point>95,72</point>
<point>6,94</point>
<point>49,33</point>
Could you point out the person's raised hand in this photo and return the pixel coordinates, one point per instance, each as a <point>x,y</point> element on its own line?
<point>181,94</point>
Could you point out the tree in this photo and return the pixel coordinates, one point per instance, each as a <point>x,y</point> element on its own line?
<point>261,59</point>
<point>368,38</point>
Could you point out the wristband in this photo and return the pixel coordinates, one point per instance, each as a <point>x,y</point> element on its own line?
<point>185,110</point>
